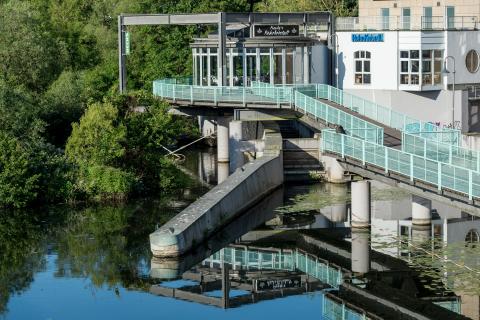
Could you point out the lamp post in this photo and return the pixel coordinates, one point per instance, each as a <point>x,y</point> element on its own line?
<point>335,36</point>
<point>446,71</point>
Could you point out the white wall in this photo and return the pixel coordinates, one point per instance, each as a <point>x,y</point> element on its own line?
<point>458,45</point>
<point>383,65</point>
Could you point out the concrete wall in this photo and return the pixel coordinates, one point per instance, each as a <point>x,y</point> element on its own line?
<point>320,64</point>
<point>239,192</point>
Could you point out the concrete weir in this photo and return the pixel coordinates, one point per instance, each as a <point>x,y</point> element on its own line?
<point>239,192</point>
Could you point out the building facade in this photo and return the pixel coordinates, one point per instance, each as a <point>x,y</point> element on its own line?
<point>419,57</point>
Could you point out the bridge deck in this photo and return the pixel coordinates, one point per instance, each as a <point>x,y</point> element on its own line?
<point>391,137</point>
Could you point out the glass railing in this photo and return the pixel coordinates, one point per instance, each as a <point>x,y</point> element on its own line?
<point>414,167</point>
<point>372,23</point>
<point>376,112</point>
<point>442,152</point>
<point>241,95</point>
<point>287,260</point>
<point>334,308</point>
<point>353,125</point>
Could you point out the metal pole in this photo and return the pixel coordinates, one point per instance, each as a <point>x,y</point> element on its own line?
<point>222,53</point>
<point>122,72</point>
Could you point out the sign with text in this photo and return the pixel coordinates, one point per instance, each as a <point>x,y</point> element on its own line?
<point>127,43</point>
<point>277,284</point>
<point>276,30</point>
<point>367,37</point>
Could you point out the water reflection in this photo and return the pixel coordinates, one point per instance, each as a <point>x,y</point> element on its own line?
<point>282,254</point>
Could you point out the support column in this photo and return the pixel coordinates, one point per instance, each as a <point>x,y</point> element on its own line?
<point>222,148</point>
<point>222,51</point>
<point>236,136</point>
<point>361,204</point>
<point>225,286</point>
<point>421,211</point>
<point>339,211</point>
<point>360,251</point>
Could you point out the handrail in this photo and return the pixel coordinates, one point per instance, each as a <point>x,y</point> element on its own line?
<point>459,171</point>
<point>374,111</point>
<point>416,22</point>
<point>443,176</point>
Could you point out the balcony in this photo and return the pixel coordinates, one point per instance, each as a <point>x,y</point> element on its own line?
<point>385,23</point>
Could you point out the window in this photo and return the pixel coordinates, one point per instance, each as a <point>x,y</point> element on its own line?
<point>385,13</point>
<point>406,18</point>
<point>471,61</point>
<point>362,67</point>
<point>427,18</point>
<point>429,66</point>
<point>450,13</point>
<point>410,67</point>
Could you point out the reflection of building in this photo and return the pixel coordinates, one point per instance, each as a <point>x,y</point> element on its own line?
<point>268,264</point>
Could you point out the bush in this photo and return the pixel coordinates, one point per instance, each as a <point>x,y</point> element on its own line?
<point>104,182</point>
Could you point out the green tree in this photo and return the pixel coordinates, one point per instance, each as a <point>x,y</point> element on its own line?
<point>98,138</point>
<point>31,56</point>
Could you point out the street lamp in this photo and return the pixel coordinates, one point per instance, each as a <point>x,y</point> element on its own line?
<point>336,57</point>
<point>446,71</point>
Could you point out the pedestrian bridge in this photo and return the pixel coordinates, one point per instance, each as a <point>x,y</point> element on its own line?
<point>379,143</point>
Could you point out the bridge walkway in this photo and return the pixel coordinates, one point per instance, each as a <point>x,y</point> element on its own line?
<point>391,136</point>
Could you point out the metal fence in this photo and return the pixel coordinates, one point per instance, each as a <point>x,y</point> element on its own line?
<point>442,152</point>
<point>371,23</point>
<point>288,260</point>
<point>441,175</point>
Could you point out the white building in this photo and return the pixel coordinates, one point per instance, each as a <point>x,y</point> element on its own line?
<point>395,58</point>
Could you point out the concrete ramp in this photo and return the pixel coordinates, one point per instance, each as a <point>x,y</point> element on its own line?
<point>242,190</point>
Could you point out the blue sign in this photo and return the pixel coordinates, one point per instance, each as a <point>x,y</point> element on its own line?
<point>367,37</point>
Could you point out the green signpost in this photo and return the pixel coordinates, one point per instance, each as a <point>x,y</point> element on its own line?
<point>127,43</point>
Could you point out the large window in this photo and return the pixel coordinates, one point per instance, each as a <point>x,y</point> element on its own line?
<point>362,67</point>
<point>428,65</point>
<point>409,67</point>
<point>471,61</point>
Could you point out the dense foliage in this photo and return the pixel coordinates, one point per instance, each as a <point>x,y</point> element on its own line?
<point>59,67</point>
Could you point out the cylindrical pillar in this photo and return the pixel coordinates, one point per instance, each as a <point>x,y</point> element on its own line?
<point>421,211</point>
<point>222,171</point>
<point>360,251</point>
<point>361,204</point>
<point>236,136</point>
<point>222,139</point>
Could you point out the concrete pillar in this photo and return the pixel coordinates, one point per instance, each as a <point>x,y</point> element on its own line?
<point>421,211</point>
<point>236,136</point>
<point>222,149</point>
<point>361,204</point>
<point>222,139</point>
<point>334,171</point>
<point>360,251</point>
<point>338,211</point>
<point>225,285</point>
<point>421,234</point>
<point>222,171</point>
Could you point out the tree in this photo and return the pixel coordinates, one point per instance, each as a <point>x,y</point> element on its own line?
<point>338,7</point>
<point>31,56</point>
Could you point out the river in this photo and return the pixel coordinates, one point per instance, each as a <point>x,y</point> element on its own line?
<point>95,262</point>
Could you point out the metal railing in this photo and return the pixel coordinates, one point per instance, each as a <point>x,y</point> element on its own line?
<point>386,23</point>
<point>242,95</point>
<point>374,111</point>
<point>441,175</point>
<point>442,152</point>
<point>353,125</point>
<point>288,260</point>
